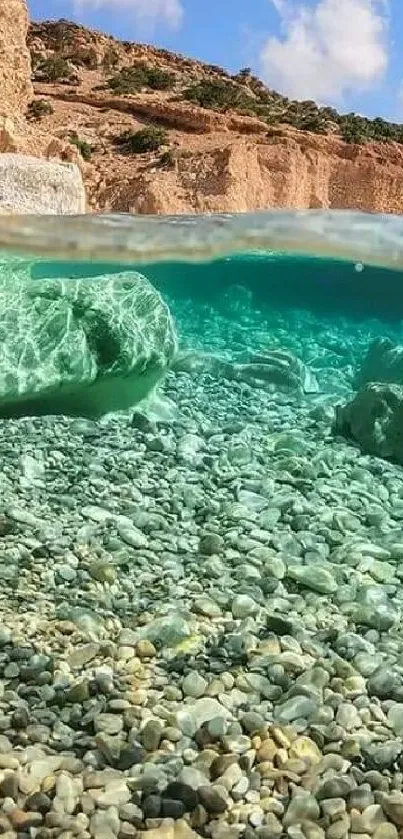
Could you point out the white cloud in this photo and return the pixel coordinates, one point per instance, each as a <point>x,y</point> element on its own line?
<point>145,13</point>
<point>327,49</point>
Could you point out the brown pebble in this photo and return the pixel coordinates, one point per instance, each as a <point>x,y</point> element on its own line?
<point>220,764</point>
<point>21,820</point>
<point>145,649</point>
<point>267,751</point>
<point>9,786</point>
<point>48,783</point>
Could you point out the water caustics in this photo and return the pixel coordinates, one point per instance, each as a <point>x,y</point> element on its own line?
<point>201,540</point>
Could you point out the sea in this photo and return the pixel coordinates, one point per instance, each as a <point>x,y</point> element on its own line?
<point>201,526</point>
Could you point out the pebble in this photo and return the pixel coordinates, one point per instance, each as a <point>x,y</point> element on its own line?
<point>194,685</point>
<point>214,644</point>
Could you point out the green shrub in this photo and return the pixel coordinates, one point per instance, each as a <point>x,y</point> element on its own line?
<point>353,128</point>
<point>83,146</point>
<point>220,95</point>
<point>167,159</point>
<point>53,69</point>
<point>212,93</point>
<point>39,108</point>
<point>135,78</point>
<point>147,139</point>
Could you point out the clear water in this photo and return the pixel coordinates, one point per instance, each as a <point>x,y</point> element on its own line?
<point>216,568</point>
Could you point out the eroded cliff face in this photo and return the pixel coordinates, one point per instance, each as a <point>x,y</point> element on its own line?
<point>216,161</point>
<point>243,175</point>
<point>15,61</point>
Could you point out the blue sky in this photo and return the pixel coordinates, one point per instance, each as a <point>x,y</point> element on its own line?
<point>346,53</point>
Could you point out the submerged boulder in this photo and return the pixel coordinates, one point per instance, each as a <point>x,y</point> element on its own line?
<point>278,368</point>
<point>383,363</point>
<point>82,347</point>
<point>374,419</point>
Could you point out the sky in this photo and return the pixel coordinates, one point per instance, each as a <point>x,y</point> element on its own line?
<point>345,53</point>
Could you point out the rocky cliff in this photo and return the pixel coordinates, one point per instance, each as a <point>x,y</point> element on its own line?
<point>15,63</point>
<point>238,152</point>
<point>29,183</point>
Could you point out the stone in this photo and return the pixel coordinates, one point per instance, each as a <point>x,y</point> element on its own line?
<point>30,185</point>
<point>115,794</point>
<point>23,820</point>
<point>104,572</point>
<point>313,577</point>
<point>191,717</point>
<point>210,544</point>
<point>151,734</point>
<point>384,682</point>
<point>179,791</point>
<point>337,787</point>
<point>243,606</point>
<point>152,806</point>
<point>386,831</point>
<point>172,808</point>
<point>302,807</point>
<point>303,748</point>
<point>383,363</point>
<point>373,418</point>
<point>340,829</point>
<point>108,723</point>
<point>392,805</point>
<point>145,649</point>
<point>83,654</point>
<point>73,346</point>
<point>169,829</point>
<point>374,608</point>
<point>368,820</point>
<point>298,707</point>
<point>169,631</point>
<point>194,685</point>
<point>214,799</point>
<point>348,717</point>
<point>395,718</point>
<point>104,824</point>
<point>252,722</point>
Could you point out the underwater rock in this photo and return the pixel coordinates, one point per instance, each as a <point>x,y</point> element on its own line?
<point>47,187</point>
<point>374,419</point>
<point>383,363</point>
<point>236,300</point>
<point>82,347</point>
<point>275,367</point>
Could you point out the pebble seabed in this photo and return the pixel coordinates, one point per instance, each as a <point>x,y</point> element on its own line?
<point>201,616</point>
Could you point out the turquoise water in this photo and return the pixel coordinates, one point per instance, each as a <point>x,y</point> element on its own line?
<point>201,543</point>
